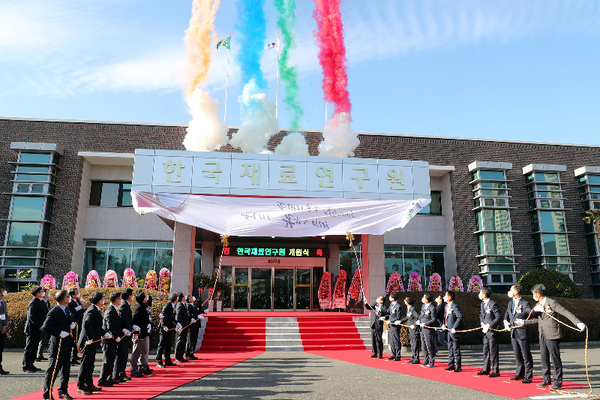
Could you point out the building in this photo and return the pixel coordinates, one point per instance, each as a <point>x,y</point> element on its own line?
<point>498,209</point>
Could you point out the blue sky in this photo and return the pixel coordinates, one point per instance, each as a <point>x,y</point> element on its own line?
<point>520,70</point>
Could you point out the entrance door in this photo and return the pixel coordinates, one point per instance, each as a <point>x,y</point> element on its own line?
<point>260,289</point>
<point>240,289</point>
<point>283,289</point>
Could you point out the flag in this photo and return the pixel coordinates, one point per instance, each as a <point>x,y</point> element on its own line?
<point>273,45</point>
<point>223,43</point>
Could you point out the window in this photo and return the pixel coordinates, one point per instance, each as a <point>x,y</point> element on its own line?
<point>435,207</point>
<point>407,259</point>
<point>111,194</point>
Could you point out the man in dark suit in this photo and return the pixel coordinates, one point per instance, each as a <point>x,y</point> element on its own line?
<point>519,308</point>
<point>183,320</point>
<point>33,329</point>
<point>77,310</point>
<point>58,324</point>
<point>91,333</point>
<point>490,318</point>
<point>550,333</point>
<point>440,334</point>
<point>166,334</point>
<point>192,338</point>
<point>111,324</point>
<point>44,338</point>
<point>428,318</point>
<point>123,346</point>
<point>414,330</point>
<point>141,320</point>
<point>378,313</point>
<point>393,317</point>
<point>452,321</point>
<point>3,326</point>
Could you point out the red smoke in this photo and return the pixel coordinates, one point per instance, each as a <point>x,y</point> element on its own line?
<point>332,54</point>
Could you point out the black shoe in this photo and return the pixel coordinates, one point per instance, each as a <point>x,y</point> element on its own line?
<point>111,380</point>
<point>543,384</point>
<point>397,359</point>
<point>482,372</point>
<point>177,360</point>
<point>41,358</point>
<point>170,364</point>
<point>64,396</point>
<point>515,378</point>
<point>29,370</point>
<point>104,384</point>
<point>93,388</point>
<point>494,375</point>
<point>527,380</point>
<point>191,357</point>
<point>458,369</point>
<point>450,369</point>
<point>3,372</point>
<point>380,357</point>
<point>124,377</point>
<point>555,387</point>
<point>74,362</point>
<point>390,358</point>
<point>415,362</point>
<point>372,356</point>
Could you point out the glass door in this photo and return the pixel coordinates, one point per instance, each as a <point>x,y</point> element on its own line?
<point>302,288</point>
<point>260,289</point>
<point>240,289</point>
<point>283,289</point>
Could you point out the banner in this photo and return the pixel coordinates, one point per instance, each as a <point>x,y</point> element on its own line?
<point>279,216</point>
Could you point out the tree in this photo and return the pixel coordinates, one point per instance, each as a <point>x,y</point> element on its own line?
<point>557,284</point>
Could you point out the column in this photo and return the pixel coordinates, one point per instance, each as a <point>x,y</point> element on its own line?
<point>373,266</point>
<point>182,274</point>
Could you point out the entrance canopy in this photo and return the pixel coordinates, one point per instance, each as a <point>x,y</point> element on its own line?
<point>286,196</point>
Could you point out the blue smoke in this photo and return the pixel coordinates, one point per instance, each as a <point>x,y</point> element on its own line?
<point>252,26</point>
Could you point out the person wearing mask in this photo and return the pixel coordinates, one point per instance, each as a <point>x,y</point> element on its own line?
<point>193,330</point>
<point>490,318</point>
<point>3,326</point>
<point>45,338</point>
<point>89,337</point>
<point>141,320</point>
<point>520,337</point>
<point>440,333</point>
<point>77,309</point>
<point>378,313</point>
<point>111,324</point>
<point>166,334</point>
<point>428,318</point>
<point>393,317</point>
<point>33,329</point>
<point>452,321</point>
<point>414,330</point>
<point>183,320</point>
<point>59,323</point>
<point>126,327</point>
<point>550,333</point>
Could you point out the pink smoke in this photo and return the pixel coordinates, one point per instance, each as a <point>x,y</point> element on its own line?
<point>332,54</point>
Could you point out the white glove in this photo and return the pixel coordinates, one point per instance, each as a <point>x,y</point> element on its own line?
<point>161,316</point>
<point>118,339</point>
<point>193,321</point>
<point>89,342</point>
<point>519,321</point>
<point>201,316</point>
<point>444,327</point>
<point>412,327</point>
<point>166,329</point>
<point>581,326</point>
<point>64,334</point>
<point>418,322</point>
<point>206,311</point>
<point>538,308</point>
<point>422,324</point>
<point>382,318</point>
<point>136,328</point>
<point>453,330</point>
<point>506,325</point>
<point>486,327</point>
<point>179,326</point>
<point>126,332</point>
<point>396,322</point>
<point>149,327</point>
<point>108,335</point>
<point>73,325</point>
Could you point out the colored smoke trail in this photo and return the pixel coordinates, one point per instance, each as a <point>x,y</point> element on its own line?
<point>257,113</point>
<point>206,131</point>
<point>339,140</point>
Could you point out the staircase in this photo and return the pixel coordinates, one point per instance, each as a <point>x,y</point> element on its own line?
<point>225,333</point>
<point>330,333</point>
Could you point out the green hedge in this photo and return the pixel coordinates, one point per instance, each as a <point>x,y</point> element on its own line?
<point>557,284</point>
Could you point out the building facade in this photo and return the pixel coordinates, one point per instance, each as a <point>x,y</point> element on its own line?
<point>499,209</point>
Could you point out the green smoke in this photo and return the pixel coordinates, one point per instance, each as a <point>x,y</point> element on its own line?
<point>285,22</point>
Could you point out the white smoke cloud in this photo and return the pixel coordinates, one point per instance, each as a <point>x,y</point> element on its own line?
<point>259,122</point>
<point>339,140</point>
<point>206,131</point>
<point>293,144</point>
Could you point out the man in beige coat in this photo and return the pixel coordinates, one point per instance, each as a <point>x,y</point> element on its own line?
<point>550,333</point>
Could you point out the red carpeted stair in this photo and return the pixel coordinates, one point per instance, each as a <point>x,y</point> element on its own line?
<point>237,334</point>
<point>329,333</point>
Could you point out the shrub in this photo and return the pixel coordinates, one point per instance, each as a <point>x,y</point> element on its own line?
<point>557,284</point>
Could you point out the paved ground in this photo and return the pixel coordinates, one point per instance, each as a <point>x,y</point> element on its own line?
<point>297,375</point>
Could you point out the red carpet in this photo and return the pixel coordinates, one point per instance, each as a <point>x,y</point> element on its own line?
<point>500,386</point>
<point>162,380</point>
<point>232,333</point>
<point>329,332</point>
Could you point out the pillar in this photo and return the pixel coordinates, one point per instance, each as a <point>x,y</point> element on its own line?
<point>373,259</point>
<point>182,274</point>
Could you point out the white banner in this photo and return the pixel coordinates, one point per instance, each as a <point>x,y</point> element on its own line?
<point>279,216</point>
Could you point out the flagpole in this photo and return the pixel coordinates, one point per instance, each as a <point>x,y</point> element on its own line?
<point>277,81</point>
<point>227,76</point>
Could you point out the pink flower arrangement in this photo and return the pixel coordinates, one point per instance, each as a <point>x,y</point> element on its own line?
<point>164,282</point>
<point>71,280</point>
<point>475,284</point>
<point>111,279</point>
<point>354,293</point>
<point>414,282</point>
<point>151,281</point>
<point>435,283</point>
<point>325,291</point>
<point>395,283</point>
<point>93,280</point>
<point>339,297</point>
<point>456,284</point>
<point>48,282</point>
<point>129,280</point>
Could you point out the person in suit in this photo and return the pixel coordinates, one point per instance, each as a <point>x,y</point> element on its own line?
<point>452,321</point>
<point>490,318</point>
<point>166,334</point>
<point>550,333</point>
<point>111,324</point>
<point>193,330</point>
<point>140,320</point>
<point>33,329</point>
<point>520,337</point>
<point>144,360</point>
<point>127,328</point>
<point>3,326</point>
<point>393,317</point>
<point>90,335</point>
<point>59,323</point>
<point>414,330</point>
<point>428,318</point>
<point>378,313</point>
<point>440,333</point>
<point>77,309</point>
<point>182,318</point>
<point>44,338</point>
